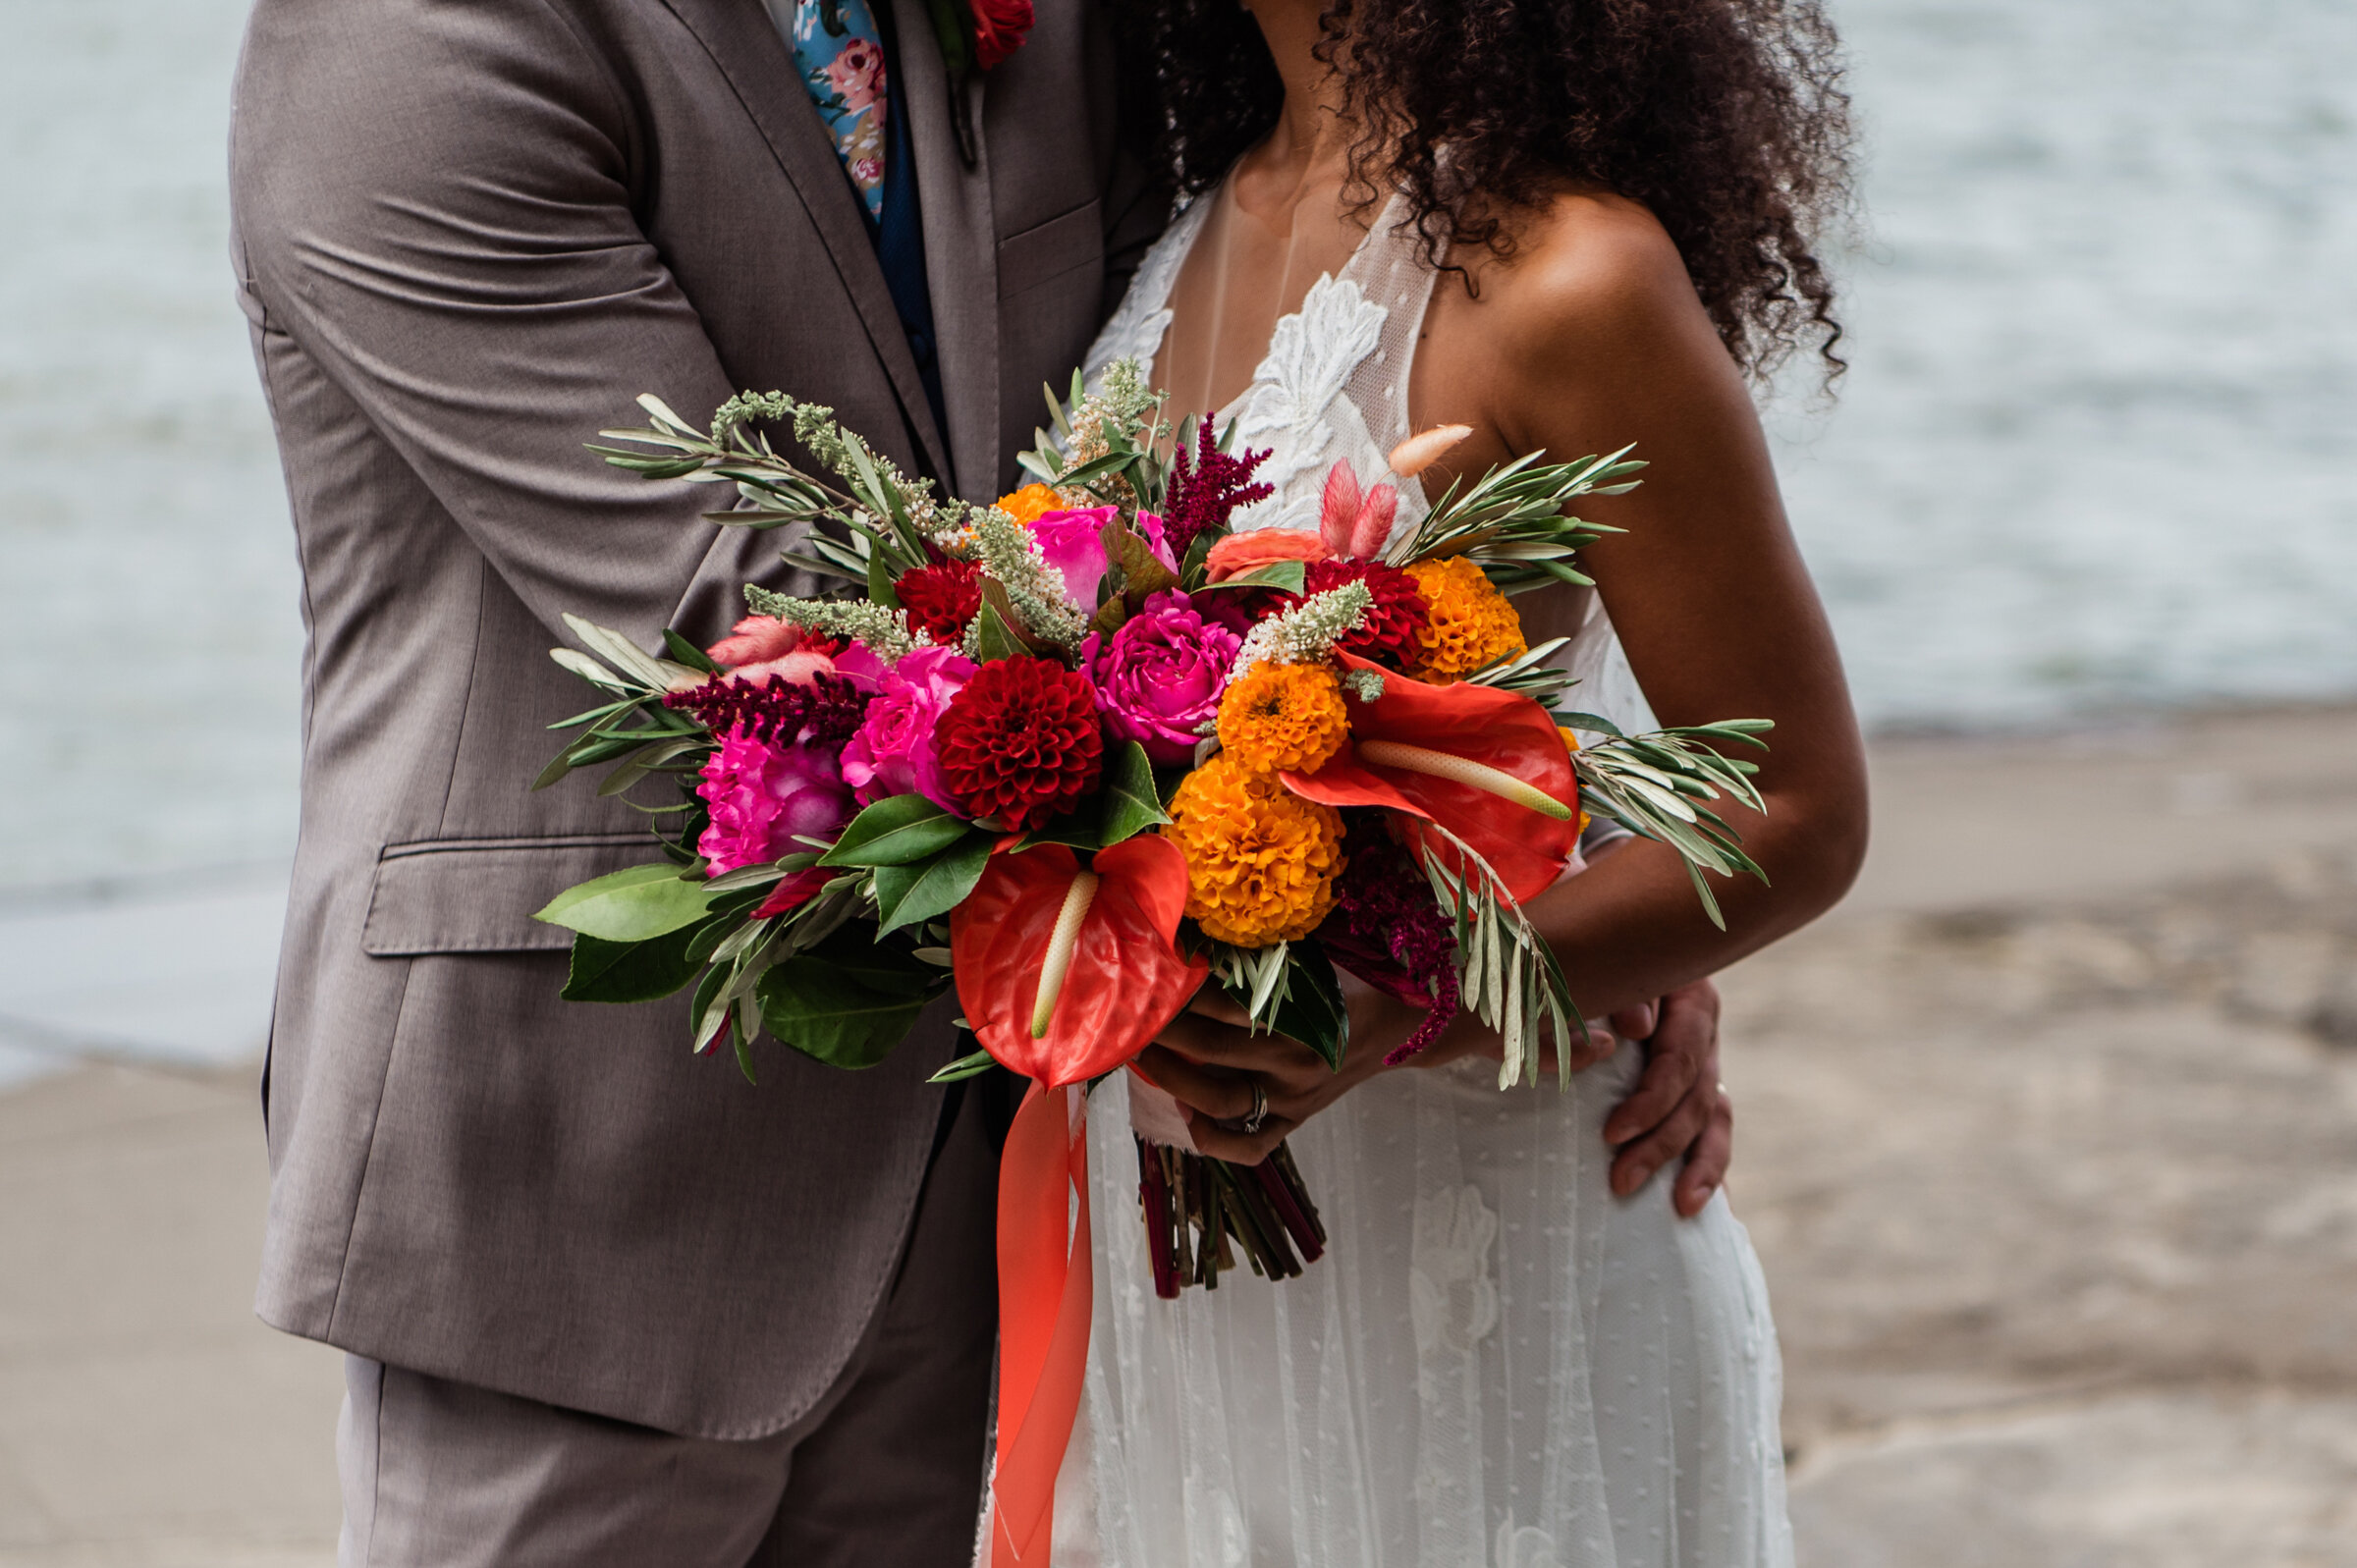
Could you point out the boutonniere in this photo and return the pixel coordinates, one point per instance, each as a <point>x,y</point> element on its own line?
<point>975,35</point>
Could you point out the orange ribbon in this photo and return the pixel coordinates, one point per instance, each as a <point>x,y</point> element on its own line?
<point>1126,981</point>
<point>1045,1295</point>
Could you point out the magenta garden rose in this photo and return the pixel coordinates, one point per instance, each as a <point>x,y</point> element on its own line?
<point>892,754</point>
<point>1160,675</point>
<point>1074,543</point>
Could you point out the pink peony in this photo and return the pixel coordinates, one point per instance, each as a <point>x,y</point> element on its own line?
<point>762,796</point>
<point>1160,675</point>
<point>1074,544</point>
<point>893,753</point>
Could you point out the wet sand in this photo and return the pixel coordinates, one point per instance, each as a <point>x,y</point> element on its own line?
<point>2048,1140</point>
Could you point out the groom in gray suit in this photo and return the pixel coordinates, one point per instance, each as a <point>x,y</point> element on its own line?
<point>603,1304</point>
<point>606,1304</point>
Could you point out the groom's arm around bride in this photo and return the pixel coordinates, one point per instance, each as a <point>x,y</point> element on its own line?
<point>605,1303</point>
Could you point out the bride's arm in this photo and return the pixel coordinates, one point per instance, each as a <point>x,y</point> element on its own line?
<point>1591,338</point>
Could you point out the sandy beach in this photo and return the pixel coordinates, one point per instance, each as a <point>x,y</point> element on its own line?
<point>2048,1142</point>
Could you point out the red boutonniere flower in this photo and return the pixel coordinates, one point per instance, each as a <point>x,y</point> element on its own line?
<point>975,35</point>
<point>1000,28</point>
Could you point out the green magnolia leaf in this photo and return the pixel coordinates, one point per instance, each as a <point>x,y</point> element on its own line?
<point>846,1002</point>
<point>906,896</point>
<point>899,831</point>
<point>634,971</point>
<point>1142,571</point>
<point>630,905</point>
<point>1312,1010</point>
<point>1131,803</point>
<point>1290,576</point>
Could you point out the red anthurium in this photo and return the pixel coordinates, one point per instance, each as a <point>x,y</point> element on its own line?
<point>1115,979</point>
<point>1489,766</point>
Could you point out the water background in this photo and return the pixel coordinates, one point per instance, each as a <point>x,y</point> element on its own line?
<point>2094,455</point>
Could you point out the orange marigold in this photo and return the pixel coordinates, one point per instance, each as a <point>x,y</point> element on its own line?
<point>1284,716</point>
<point>1260,860</point>
<point>1029,504</point>
<point>1470,621</point>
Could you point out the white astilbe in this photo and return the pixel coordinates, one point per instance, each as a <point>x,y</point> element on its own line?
<point>1011,558</point>
<point>1307,632</point>
<point>883,632</point>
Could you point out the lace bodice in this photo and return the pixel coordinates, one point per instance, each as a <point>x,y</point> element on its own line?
<point>1334,385</point>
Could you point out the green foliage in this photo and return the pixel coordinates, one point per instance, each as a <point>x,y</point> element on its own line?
<point>928,889</point>
<point>630,905</point>
<point>899,831</point>
<point>847,1002</point>
<point>1511,520</point>
<point>636,971</point>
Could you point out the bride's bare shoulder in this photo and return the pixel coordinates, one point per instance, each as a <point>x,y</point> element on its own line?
<point>1588,267</point>
<point>1591,300</point>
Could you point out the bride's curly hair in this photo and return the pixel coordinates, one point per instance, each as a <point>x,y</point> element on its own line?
<point>1727,119</point>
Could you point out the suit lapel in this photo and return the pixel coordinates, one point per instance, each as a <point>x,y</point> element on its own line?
<point>962,252</point>
<point>745,45</point>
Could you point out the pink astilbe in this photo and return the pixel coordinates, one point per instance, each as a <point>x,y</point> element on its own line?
<point>1204,495</point>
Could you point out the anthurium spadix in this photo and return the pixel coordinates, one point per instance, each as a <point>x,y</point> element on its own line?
<point>1488,766</point>
<point>1065,971</point>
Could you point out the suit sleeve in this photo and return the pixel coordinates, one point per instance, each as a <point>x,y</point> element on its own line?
<point>431,200</point>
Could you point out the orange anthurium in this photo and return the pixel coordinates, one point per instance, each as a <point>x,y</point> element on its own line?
<point>1098,945</point>
<point>1489,766</point>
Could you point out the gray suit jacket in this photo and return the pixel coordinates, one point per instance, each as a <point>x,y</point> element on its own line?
<point>468,233</point>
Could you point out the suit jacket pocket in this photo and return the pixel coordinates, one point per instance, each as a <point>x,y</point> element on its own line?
<point>1047,251</point>
<point>442,896</point>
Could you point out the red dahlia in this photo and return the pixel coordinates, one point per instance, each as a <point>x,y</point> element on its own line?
<point>941,598</point>
<point>1021,742</point>
<point>1388,635</point>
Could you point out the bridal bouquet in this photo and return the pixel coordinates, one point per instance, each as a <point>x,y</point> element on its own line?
<point>1074,752</point>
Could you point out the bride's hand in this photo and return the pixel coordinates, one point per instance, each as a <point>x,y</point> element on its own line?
<point>1209,1061</point>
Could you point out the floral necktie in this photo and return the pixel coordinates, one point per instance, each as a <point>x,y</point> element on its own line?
<point>840,51</point>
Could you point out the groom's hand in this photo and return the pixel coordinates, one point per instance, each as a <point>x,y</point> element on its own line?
<point>1680,1107</point>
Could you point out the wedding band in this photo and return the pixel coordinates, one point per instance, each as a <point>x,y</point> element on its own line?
<point>1260,1110</point>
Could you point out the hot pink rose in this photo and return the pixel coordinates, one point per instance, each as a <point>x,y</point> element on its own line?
<point>1074,544</point>
<point>1160,677</point>
<point>762,796</point>
<point>892,752</point>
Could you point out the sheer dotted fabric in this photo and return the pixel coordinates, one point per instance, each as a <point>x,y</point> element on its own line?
<point>1497,1363</point>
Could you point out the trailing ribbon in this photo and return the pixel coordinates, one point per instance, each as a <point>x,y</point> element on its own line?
<point>1045,1295</point>
<point>1064,973</point>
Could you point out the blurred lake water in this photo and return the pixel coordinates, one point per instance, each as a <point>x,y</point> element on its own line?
<point>2093,450</point>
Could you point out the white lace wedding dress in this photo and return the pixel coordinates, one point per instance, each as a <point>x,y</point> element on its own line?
<point>1496,1362</point>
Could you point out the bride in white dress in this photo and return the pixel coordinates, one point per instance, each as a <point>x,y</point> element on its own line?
<point>1499,1361</point>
